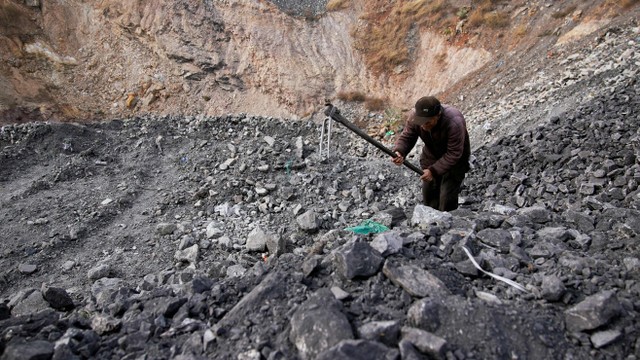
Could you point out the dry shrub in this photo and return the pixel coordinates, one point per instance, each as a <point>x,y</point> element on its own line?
<point>335,5</point>
<point>563,13</point>
<point>478,15</point>
<point>476,18</point>
<point>412,7</point>
<point>374,104</point>
<point>436,6</point>
<point>356,96</point>
<point>441,59</point>
<point>613,8</point>
<point>384,36</point>
<point>419,9</point>
<point>625,4</point>
<point>520,30</point>
<point>497,19</point>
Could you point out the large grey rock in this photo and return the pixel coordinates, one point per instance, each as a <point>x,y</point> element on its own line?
<point>496,238</point>
<point>276,245</point>
<point>236,271</point>
<point>339,294</point>
<point>58,298</point>
<point>213,230</point>
<point>425,314</point>
<point>386,332</point>
<point>604,338</point>
<point>166,228</point>
<point>104,324</point>
<point>27,269</point>
<point>554,234</point>
<point>186,241</point>
<point>466,268</point>
<point>188,255</point>
<point>271,288</point>
<point>390,217</point>
<point>28,350</point>
<point>425,216</point>
<point>408,351</point>
<point>592,312</point>
<point>536,214</point>
<point>357,259</point>
<point>257,239</point>
<point>632,264</point>
<point>552,288</point>
<point>318,324</point>
<point>103,290</point>
<point>252,354</point>
<point>100,271</point>
<point>308,221</point>
<point>166,306</point>
<point>426,342</point>
<point>387,243</point>
<point>311,264</point>
<point>414,280</point>
<point>583,222</point>
<point>358,350</point>
<point>30,302</point>
<point>629,218</point>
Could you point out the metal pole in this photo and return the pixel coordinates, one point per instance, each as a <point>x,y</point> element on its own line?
<point>334,113</point>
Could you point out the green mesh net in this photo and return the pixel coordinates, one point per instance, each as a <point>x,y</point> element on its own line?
<point>368,227</point>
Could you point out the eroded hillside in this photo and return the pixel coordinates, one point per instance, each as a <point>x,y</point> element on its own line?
<point>83,60</point>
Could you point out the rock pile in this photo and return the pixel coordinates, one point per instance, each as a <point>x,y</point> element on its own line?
<point>543,87</point>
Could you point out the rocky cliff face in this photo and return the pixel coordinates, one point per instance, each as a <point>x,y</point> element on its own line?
<point>86,60</point>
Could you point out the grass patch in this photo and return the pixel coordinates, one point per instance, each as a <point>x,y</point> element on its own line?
<point>463,12</point>
<point>370,103</point>
<point>480,12</point>
<point>374,104</point>
<point>335,5</point>
<point>625,4</point>
<point>520,30</point>
<point>393,119</point>
<point>475,19</point>
<point>354,96</point>
<point>419,9</point>
<point>497,20</point>
<point>383,37</point>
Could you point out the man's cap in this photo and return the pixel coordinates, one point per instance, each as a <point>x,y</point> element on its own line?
<point>426,107</point>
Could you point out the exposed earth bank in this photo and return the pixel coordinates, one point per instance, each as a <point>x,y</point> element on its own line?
<point>232,237</point>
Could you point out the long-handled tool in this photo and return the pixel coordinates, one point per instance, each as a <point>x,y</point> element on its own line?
<point>333,112</point>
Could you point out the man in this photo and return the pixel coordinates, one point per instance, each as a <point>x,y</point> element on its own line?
<point>445,156</point>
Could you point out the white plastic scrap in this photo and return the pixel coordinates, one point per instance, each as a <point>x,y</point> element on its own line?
<point>497,277</point>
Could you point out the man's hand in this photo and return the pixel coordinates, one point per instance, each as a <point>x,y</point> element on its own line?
<point>427,175</point>
<point>398,160</point>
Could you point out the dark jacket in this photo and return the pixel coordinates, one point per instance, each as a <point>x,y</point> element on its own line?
<point>446,145</point>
